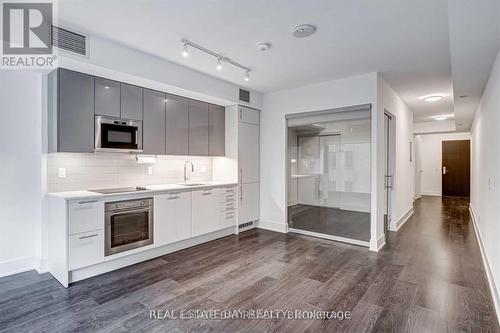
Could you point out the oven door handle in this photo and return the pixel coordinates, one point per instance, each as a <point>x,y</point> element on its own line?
<point>133,210</point>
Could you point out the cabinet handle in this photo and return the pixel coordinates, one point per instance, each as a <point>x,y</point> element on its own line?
<point>86,202</point>
<point>89,236</point>
<point>241,175</point>
<point>206,193</point>
<point>241,193</point>
<point>173,198</point>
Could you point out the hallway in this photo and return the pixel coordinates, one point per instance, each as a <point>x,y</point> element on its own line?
<point>429,278</point>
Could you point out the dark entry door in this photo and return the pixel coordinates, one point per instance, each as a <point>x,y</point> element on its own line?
<point>456,168</point>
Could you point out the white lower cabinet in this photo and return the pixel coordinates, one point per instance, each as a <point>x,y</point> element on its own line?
<point>86,249</point>
<point>205,211</point>
<point>249,202</point>
<point>172,217</point>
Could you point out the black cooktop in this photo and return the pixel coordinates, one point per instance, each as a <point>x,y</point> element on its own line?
<point>119,190</point>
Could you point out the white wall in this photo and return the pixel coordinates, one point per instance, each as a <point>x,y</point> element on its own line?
<point>485,176</point>
<point>402,167</point>
<point>20,170</point>
<point>432,160</point>
<point>350,91</point>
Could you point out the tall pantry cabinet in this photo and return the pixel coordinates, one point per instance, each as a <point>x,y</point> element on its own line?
<point>243,124</point>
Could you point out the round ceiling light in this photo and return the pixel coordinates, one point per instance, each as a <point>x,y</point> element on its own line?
<point>432,98</point>
<point>304,30</point>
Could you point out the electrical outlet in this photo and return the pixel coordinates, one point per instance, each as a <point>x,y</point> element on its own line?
<point>62,173</point>
<point>150,170</point>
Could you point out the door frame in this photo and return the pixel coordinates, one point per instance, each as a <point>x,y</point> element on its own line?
<point>389,166</point>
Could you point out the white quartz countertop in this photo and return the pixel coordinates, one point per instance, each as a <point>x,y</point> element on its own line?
<point>71,195</point>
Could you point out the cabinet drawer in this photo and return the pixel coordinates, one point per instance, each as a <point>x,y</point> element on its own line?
<point>86,249</point>
<point>85,215</point>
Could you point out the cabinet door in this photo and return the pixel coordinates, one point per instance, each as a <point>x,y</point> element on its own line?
<point>75,112</point>
<point>131,102</point>
<point>198,128</point>
<point>172,217</point>
<point>248,152</point>
<point>248,115</point>
<point>205,211</point>
<point>249,202</point>
<point>177,135</point>
<point>216,130</point>
<point>153,133</point>
<point>107,97</point>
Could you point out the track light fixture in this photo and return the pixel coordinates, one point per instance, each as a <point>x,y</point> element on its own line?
<point>220,58</point>
<point>185,52</point>
<point>219,64</point>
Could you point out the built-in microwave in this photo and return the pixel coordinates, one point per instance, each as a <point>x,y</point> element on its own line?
<point>114,134</point>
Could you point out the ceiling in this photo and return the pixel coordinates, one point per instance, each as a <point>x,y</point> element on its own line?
<point>407,41</point>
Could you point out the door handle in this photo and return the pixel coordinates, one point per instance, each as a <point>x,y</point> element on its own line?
<point>241,175</point>
<point>388,181</point>
<point>445,171</point>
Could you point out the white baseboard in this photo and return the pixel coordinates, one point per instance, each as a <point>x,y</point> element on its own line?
<point>19,265</point>
<point>378,244</point>
<point>396,225</point>
<point>273,226</point>
<point>432,193</point>
<point>486,263</point>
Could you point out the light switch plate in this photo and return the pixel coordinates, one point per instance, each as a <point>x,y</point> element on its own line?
<point>62,173</point>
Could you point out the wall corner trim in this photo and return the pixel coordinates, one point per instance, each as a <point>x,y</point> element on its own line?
<point>377,244</point>
<point>395,226</point>
<point>486,264</point>
<point>273,226</point>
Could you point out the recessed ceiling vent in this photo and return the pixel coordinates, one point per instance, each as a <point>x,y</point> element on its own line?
<point>69,41</point>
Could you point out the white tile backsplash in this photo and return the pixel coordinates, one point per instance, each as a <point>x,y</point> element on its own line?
<point>104,170</point>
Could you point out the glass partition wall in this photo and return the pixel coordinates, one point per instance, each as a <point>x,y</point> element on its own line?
<point>329,177</point>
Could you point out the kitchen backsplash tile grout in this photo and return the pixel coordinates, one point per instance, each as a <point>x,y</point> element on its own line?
<point>101,170</point>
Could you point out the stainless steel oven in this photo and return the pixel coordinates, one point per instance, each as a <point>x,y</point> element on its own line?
<point>128,225</point>
<point>114,134</point>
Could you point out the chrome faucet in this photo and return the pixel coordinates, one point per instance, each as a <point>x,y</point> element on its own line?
<point>186,178</point>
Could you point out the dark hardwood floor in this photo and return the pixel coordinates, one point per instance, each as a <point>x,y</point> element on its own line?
<point>429,278</point>
<point>330,221</point>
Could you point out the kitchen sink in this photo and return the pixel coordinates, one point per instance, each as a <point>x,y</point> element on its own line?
<point>191,184</point>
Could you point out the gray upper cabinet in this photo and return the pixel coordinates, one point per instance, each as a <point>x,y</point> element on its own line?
<point>107,97</point>
<point>177,117</point>
<point>216,130</point>
<point>131,102</point>
<point>154,122</point>
<point>72,111</point>
<point>198,128</point>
